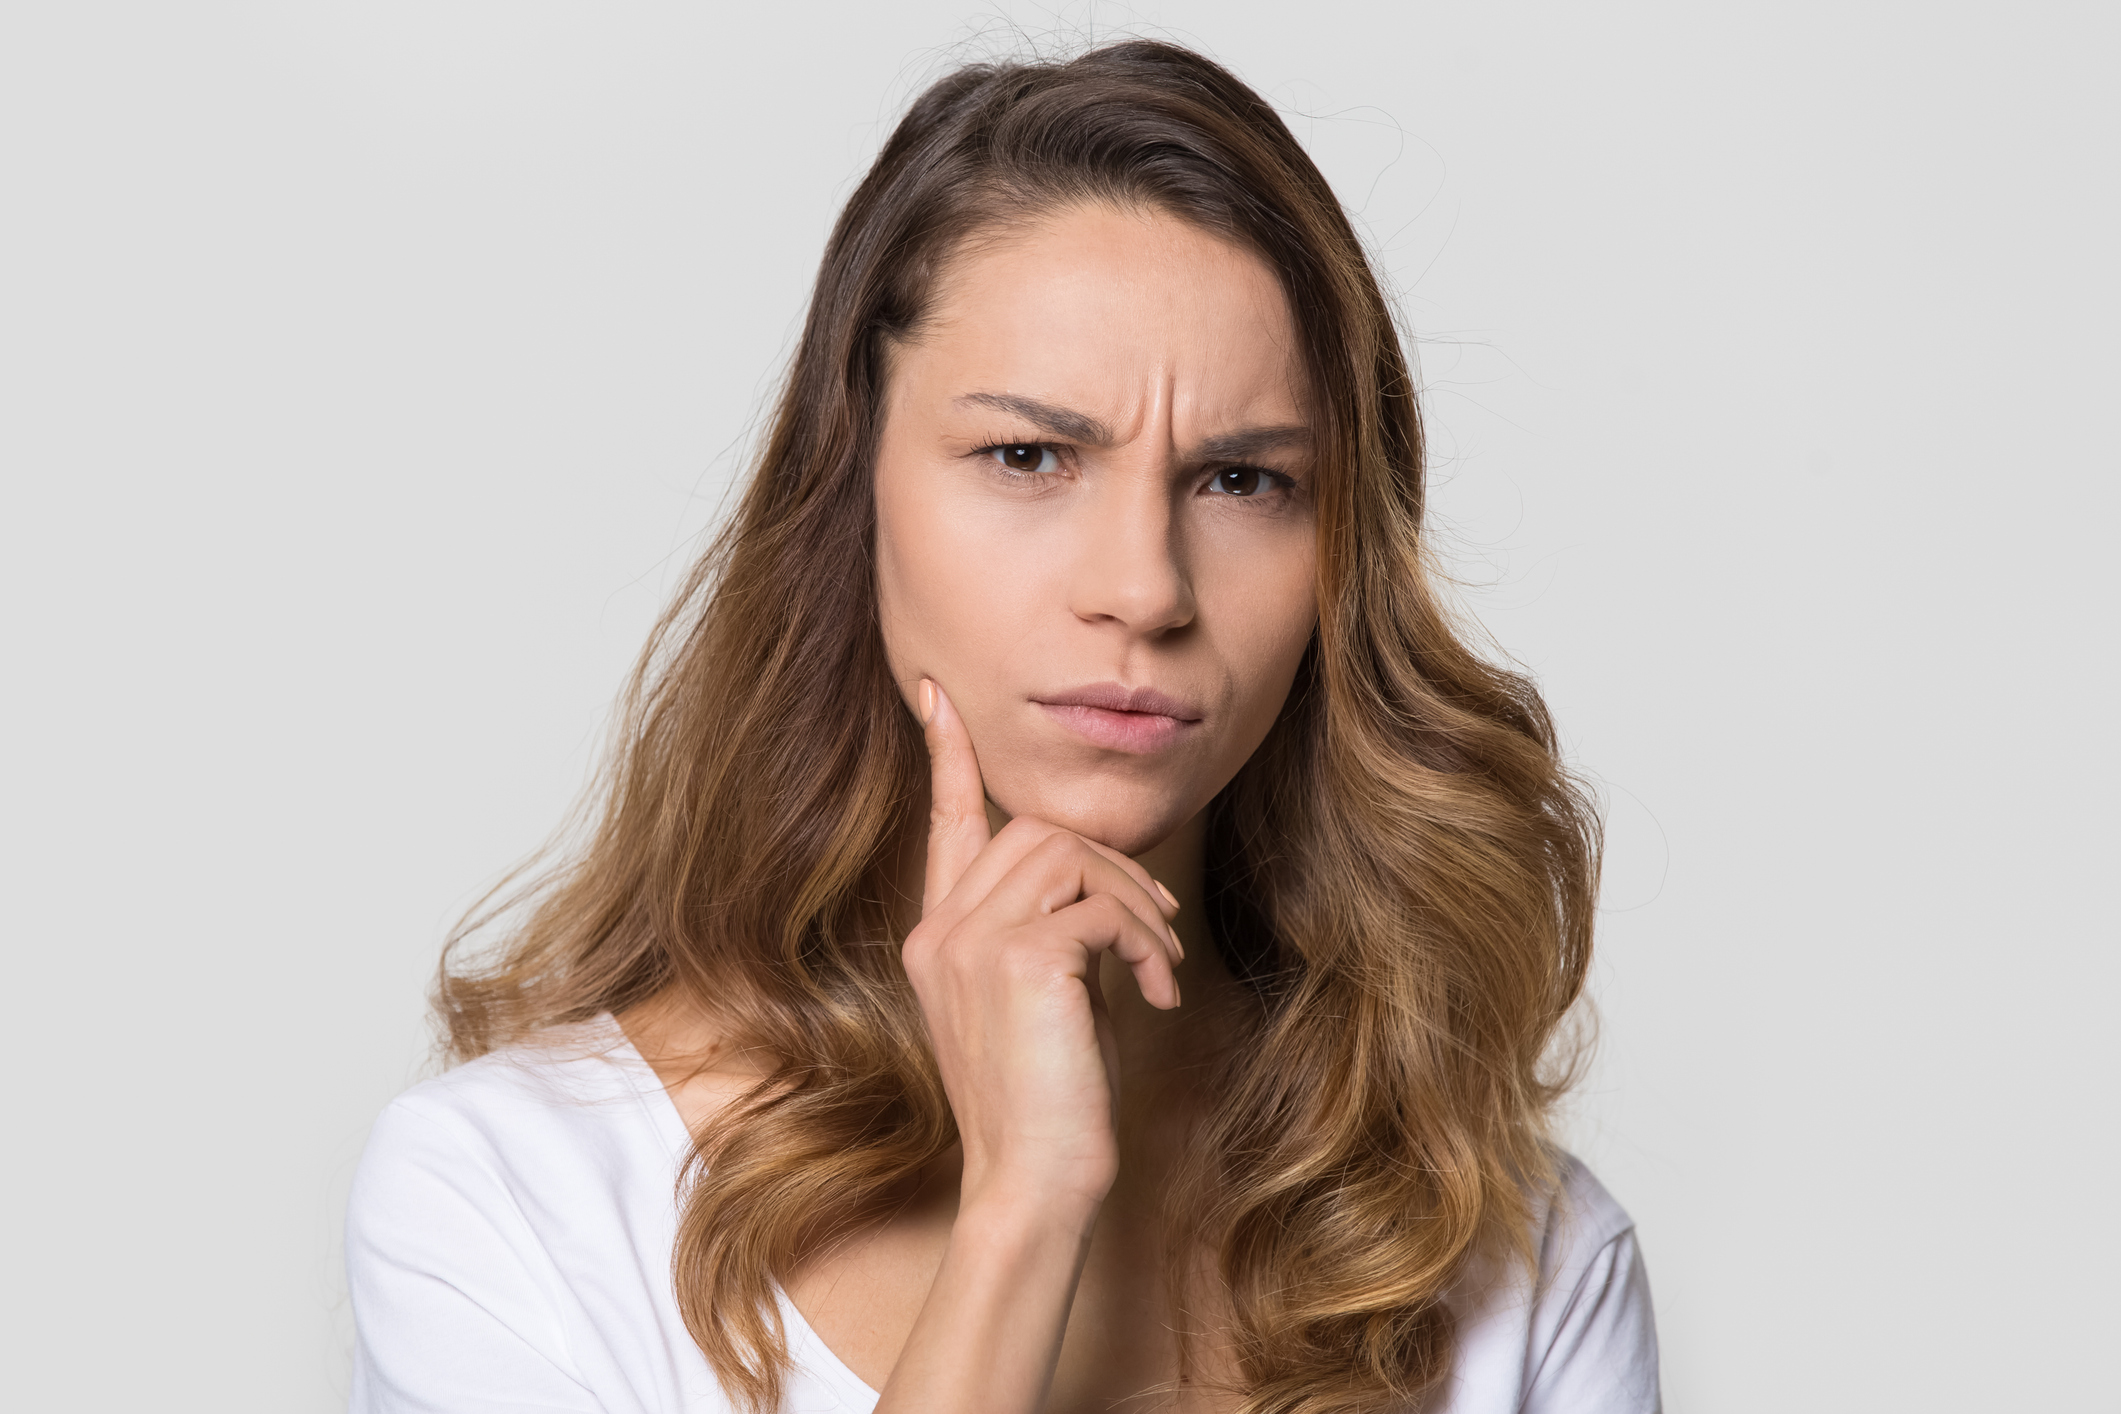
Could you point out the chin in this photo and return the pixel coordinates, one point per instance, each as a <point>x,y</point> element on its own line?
<point>1130,837</point>
<point>1132,822</point>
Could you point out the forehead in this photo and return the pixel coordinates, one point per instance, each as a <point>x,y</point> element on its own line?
<point>1118,312</point>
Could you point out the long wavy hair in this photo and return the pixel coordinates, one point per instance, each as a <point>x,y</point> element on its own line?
<point>1403,875</point>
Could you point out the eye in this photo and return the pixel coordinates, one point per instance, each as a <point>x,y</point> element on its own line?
<point>1025,457</point>
<point>1242,481</point>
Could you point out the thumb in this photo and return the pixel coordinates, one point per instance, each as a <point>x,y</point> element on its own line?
<point>957,801</point>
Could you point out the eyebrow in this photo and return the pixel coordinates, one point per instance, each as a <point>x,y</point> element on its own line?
<point>1249,443</point>
<point>1075,426</point>
<point>1049,419</point>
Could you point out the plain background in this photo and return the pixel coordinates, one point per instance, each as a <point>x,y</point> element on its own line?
<point>370,369</point>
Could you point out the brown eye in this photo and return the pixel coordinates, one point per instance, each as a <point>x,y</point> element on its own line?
<point>1024,456</point>
<point>1241,481</point>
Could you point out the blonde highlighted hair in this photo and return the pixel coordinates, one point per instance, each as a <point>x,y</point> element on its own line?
<point>1404,873</point>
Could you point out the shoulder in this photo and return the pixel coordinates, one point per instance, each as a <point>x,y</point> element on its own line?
<point>1577,1334</point>
<point>574,1104</point>
<point>508,1231</point>
<point>1580,1219</point>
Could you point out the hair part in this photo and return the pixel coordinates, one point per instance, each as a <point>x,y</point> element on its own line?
<point>1404,873</point>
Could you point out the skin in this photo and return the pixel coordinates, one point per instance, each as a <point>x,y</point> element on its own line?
<point>1092,474</point>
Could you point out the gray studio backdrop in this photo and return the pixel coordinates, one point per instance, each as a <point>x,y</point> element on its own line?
<point>371,368</point>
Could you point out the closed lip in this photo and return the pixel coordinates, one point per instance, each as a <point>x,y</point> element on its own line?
<point>1111,697</point>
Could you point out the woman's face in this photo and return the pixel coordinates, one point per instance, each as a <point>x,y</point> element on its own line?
<point>1094,518</point>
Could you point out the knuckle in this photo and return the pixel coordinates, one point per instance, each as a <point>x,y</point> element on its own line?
<point>1060,847</point>
<point>1034,828</point>
<point>929,939</point>
<point>1048,848</point>
<point>1108,910</point>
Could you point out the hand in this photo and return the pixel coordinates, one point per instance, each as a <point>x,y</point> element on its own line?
<point>1004,963</point>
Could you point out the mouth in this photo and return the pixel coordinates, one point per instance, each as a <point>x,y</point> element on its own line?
<point>1139,720</point>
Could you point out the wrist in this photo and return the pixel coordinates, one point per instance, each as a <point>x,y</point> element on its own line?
<point>1002,1215</point>
<point>1060,1192</point>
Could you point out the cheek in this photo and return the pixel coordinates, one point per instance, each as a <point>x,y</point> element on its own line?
<point>1270,611</point>
<point>937,598</point>
<point>904,581</point>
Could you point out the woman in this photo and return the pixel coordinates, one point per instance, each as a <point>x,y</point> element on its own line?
<point>1070,922</point>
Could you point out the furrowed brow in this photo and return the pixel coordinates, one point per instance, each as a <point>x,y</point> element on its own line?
<point>1249,443</point>
<point>1051,420</point>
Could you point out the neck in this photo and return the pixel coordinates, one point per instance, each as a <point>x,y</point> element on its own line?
<point>1156,1043</point>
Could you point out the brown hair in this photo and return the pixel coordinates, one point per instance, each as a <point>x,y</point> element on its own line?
<point>1404,873</point>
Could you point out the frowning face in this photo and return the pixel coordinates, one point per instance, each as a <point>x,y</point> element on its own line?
<point>1094,522</point>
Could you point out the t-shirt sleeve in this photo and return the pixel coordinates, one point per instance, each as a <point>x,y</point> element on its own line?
<point>455,1305</point>
<point>1598,1336</point>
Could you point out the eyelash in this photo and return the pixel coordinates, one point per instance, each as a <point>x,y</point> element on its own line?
<point>1281,481</point>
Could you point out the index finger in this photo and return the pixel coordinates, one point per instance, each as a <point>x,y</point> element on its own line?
<point>957,801</point>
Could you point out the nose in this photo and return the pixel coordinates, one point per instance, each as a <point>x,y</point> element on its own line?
<point>1129,569</point>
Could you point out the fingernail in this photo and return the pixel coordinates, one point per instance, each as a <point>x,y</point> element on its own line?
<point>1178,998</point>
<point>927,701</point>
<point>1169,897</point>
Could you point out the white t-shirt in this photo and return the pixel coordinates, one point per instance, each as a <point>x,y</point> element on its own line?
<point>508,1250</point>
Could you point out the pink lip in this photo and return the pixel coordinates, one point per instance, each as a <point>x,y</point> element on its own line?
<point>1138,719</point>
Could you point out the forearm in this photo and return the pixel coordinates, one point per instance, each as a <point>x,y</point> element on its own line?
<point>988,1337</point>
